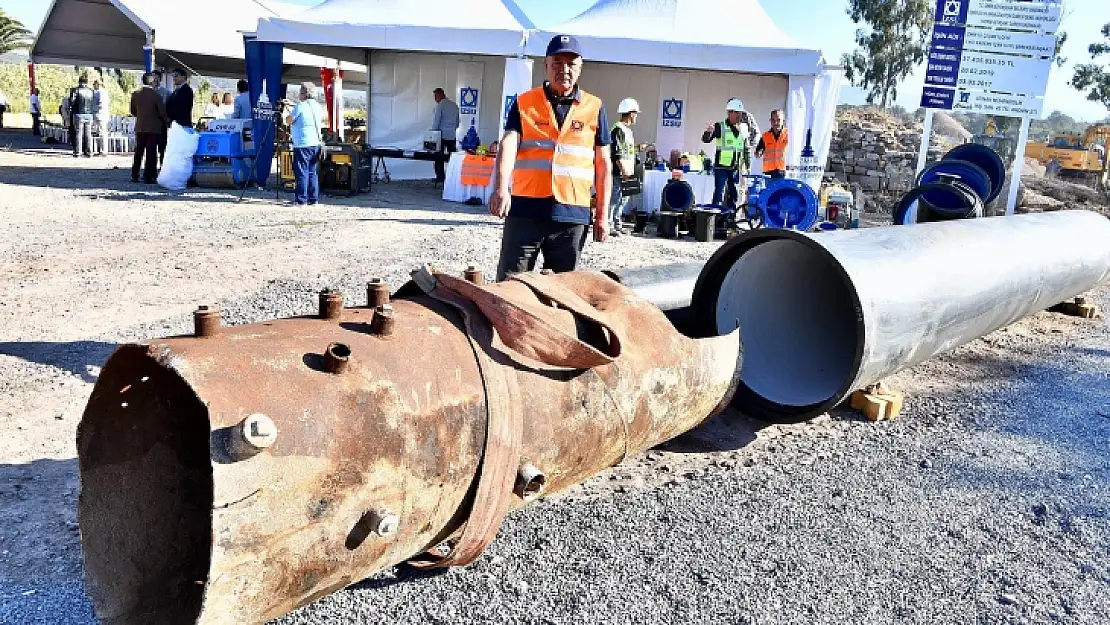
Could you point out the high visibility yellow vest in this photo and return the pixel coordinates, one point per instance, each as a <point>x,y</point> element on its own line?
<point>552,161</point>
<point>729,145</point>
<point>626,150</point>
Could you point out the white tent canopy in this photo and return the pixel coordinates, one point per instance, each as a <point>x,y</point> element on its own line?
<point>204,35</point>
<point>726,35</point>
<point>344,28</point>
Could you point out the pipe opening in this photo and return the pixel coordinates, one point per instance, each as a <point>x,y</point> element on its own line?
<point>530,482</point>
<point>146,542</point>
<point>798,322</point>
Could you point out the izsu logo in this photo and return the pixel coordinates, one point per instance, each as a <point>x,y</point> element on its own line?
<point>965,97</point>
<point>509,101</point>
<point>672,113</point>
<point>952,11</point>
<point>468,101</point>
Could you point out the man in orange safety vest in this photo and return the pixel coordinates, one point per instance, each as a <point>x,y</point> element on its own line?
<point>555,151</point>
<point>772,147</point>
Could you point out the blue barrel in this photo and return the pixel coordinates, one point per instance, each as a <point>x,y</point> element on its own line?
<point>986,159</point>
<point>678,196</point>
<point>966,172</point>
<point>788,203</point>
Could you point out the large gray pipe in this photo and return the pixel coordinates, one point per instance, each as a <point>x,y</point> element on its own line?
<point>824,314</point>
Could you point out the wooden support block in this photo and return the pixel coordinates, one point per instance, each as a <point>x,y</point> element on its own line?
<point>1087,311</point>
<point>881,406</point>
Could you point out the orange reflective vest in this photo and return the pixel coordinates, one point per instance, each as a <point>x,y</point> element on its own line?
<point>774,151</point>
<point>554,162</point>
<point>476,170</point>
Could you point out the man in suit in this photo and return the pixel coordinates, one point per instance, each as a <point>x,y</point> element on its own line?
<point>150,117</point>
<point>179,108</point>
<point>164,93</point>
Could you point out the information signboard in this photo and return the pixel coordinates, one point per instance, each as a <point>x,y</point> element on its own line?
<point>984,71</point>
<point>994,41</point>
<point>1007,15</point>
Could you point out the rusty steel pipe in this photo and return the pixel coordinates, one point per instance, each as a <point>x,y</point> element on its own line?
<point>235,478</point>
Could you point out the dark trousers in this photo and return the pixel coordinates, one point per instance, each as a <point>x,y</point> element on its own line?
<point>36,124</point>
<point>441,170</point>
<point>306,165</point>
<point>722,179</point>
<point>3,108</point>
<point>72,134</point>
<point>162,140</point>
<point>523,240</point>
<point>146,144</point>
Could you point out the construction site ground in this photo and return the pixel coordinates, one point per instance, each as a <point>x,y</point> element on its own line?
<point>987,501</point>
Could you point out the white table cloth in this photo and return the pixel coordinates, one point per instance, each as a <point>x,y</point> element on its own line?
<point>655,180</point>
<point>454,190</point>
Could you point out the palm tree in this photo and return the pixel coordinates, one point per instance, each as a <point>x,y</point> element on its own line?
<point>13,36</point>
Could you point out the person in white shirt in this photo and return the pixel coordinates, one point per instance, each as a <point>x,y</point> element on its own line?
<point>227,107</point>
<point>102,102</point>
<point>212,109</point>
<point>36,113</point>
<point>3,107</point>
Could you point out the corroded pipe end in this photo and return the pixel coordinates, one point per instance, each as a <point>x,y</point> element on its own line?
<point>331,304</point>
<point>382,324</point>
<point>337,358</point>
<point>377,292</point>
<point>475,275</point>
<point>530,482</point>
<point>206,321</point>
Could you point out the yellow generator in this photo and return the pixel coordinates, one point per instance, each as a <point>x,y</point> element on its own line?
<point>1071,154</point>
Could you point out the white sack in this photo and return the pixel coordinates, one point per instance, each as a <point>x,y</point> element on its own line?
<point>177,166</point>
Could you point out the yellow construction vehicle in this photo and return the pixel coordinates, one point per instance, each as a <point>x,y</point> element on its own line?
<point>1070,154</point>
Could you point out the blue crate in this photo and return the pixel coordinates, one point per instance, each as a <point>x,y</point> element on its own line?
<point>220,145</point>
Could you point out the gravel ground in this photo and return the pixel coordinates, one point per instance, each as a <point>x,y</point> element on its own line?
<point>987,502</point>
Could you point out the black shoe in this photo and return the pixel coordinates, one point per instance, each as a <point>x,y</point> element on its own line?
<point>134,181</point>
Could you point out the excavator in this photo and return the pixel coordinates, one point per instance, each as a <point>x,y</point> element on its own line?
<point>1070,154</point>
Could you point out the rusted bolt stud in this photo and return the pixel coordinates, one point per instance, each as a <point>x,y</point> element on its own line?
<point>529,482</point>
<point>384,523</point>
<point>377,292</point>
<point>475,275</point>
<point>206,321</point>
<point>382,323</point>
<point>258,431</point>
<point>337,358</point>
<point>331,304</point>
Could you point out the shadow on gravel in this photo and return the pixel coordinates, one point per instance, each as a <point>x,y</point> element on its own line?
<point>402,574</point>
<point>75,357</point>
<point>38,521</point>
<point>728,431</point>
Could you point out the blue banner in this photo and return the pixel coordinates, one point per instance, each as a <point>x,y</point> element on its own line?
<point>938,98</point>
<point>948,37</point>
<point>264,68</point>
<point>943,68</point>
<point>148,58</point>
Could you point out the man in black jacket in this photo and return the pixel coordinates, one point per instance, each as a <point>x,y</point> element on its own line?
<point>82,107</point>
<point>179,108</point>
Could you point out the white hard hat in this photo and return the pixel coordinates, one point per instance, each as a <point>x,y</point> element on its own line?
<point>628,105</point>
<point>734,105</point>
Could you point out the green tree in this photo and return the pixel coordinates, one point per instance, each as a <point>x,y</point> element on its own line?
<point>896,42</point>
<point>1094,78</point>
<point>13,36</point>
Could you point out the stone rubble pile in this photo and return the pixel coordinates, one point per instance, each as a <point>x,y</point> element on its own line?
<point>878,151</point>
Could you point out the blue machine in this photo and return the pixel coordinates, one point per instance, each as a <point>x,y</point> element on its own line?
<point>225,154</point>
<point>783,203</point>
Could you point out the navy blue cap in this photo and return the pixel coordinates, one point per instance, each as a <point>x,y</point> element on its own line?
<point>563,44</point>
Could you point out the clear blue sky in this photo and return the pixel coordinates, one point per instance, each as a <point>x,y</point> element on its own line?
<point>821,23</point>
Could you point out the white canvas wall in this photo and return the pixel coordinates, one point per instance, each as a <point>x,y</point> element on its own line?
<point>708,93</point>
<point>401,103</point>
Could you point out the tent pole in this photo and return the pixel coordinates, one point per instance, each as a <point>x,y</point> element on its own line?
<point>369,81</point>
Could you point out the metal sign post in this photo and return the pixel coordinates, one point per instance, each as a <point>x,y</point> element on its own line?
<point>991,57</point>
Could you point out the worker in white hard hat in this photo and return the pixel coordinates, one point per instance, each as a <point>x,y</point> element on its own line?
<point>624,161</point>
<point>734,137</point>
